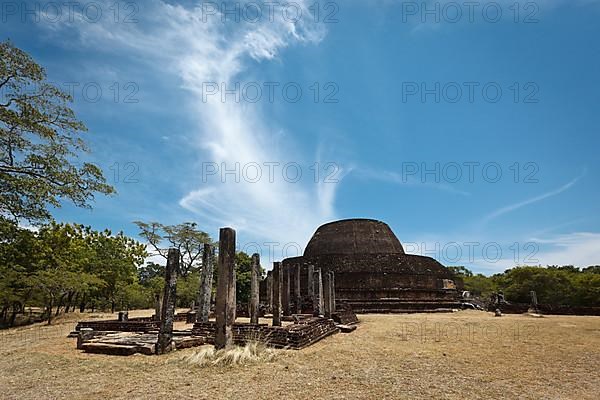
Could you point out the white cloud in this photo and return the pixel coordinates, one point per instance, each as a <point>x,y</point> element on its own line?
<point>532,200</point>
<point>406,179</point>
<point>176,39</point>
<point>496,254</point>
<point>579,248</point>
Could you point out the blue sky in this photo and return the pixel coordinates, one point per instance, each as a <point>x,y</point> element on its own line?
<point>473,135</point>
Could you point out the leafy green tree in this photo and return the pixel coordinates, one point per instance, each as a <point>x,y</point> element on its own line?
<point>586,289</point>
<point>115,261</point>
<point>461,271</point>
<point>150,271</point>
<point>61,272</point>
<point>186,237</point>
<point>558,285</point>
<point>18,253</point>
<point>63,262</point>
<point>39,139</point>
<point>243,275</point>
<point>551,285</point>
<point>187,289</point>
<point>480,285</point>
<point>592,269</point>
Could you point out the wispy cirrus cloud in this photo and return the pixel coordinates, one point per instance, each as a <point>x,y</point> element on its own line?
<point>183,42</point>
<point>405,179</point>
<point>515,206</point>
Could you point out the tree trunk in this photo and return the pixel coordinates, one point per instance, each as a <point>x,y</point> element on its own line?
<point>4,314</point>
<point>13,316</point>
<point>60,304</point>
<point>49,309</point>
<point>82,304</point>
<point>74,302</point>
<point>69,302</point>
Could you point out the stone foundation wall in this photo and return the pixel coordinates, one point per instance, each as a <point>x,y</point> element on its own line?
<point>140,324</point>
<point>344,314</point>
<point>296,336</point>
<point>120,326</point>
<point>393,281</point>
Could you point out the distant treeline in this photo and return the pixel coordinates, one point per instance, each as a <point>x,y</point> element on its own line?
<point>560,285</point>
<point>62,267</point>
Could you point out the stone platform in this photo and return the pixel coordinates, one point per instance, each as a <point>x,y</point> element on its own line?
<point>123,339</point>
<point>372,272</point>
<point>132,325</point>
<point>295,336</point>
<point>129,343</point>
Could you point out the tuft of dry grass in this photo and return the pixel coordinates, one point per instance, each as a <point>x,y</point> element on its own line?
<point>251,353</point>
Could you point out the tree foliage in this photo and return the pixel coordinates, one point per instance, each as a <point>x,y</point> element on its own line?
<point>560,285</point>
<point>186,237</point>
<point>40,138</point>
<point>61,264</point>
<point>243,275</point>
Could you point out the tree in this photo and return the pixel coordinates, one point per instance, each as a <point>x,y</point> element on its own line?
<point>243,276</point>
<point>186,237</point>
<point>187,289</point>
<point>152,278</point>
<point>61,269</point>
<point>592,269</point>
<point>480,285</point>
<point>17,257</point>
<point>60,263</point>
<point>460,271</point>
<point>39,139</point>
<point>115,260</point>
<point>150,271</point>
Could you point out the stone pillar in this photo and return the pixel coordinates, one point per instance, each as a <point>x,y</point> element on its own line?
<point>254,288</point>
<point>297,294</point>
<point>225,304</point>
<point>317,293</point>
<point>534,300</point>
<point>285,294</point>
<point>310,286</point>
<point>333,305</point>
<point>277,286</point>
<point>157,306</point>
<point>123,316</point>
<point>270,291</point>
<point>206,279</point>
<point>326,294</point>
<point>165,335</point>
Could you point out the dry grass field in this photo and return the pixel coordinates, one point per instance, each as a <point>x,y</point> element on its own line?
<point>440,356</point>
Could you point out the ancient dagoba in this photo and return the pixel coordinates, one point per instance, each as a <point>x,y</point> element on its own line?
<point>372,272</point>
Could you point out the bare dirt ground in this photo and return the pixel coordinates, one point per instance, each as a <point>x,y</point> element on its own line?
<point>468,354</point>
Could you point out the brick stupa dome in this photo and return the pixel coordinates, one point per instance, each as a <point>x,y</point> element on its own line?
<point>372,271</point>
<point>353,236</point>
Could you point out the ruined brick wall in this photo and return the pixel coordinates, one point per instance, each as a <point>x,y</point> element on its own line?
<point>380,276</point>
<point>370,265</point>
<point>144,325</point>
<point>295,336</point>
